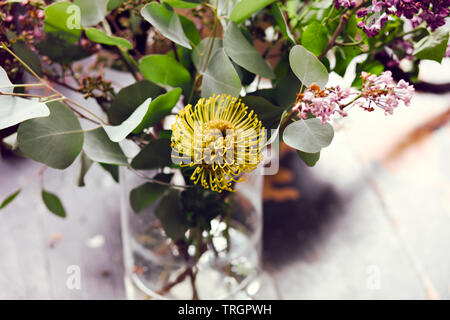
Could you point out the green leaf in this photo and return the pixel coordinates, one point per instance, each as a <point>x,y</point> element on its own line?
<point>315,38</point>
<point>190,29</point>
<point>9,199</point>
<point>307,67</point>
<point>155,155</point>
<point>114,4</point>
<point>245,8</point>
<point>85,165</point>
<point>53,204</point>
<point>14,110</point>
<point>159,108</point>
<point>183,4</point>
<point>143,196</point>
<point>310,159</point>
<point>28,56</point>
<point>92,11</point>
<point>99,36</point>
<point>63,19</point>
<point>244,54</point>
<point>130,98</point>
<point>59,50</point>
<point>433,47</point>
<point>173,219</point>
<point>55,140</point>
<point>266,111</point>
<point>220,77</point>
<point>344,56</point>
<point>120,132</point>
<point>278,16</point>
<point>309,135</point>
<point>112,169</point>
<point>199,53</point>
<point>100,148</point>
<point>164,18</point>
<point>164,69</point>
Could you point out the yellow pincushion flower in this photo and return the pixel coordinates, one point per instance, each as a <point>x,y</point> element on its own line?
<point>221,138</point>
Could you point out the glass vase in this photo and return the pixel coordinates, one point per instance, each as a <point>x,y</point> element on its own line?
<point>225,261</point>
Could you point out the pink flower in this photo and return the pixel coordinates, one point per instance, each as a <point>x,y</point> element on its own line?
<point>377,91</point>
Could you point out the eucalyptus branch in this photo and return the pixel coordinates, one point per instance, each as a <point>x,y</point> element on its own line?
<point>45,84</point>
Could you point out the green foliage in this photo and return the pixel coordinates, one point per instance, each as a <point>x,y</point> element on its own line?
<point>245,8</point>
<point>112,169</point>
<point>55,140</point>
<point>60,50</point>
<point>266,111</point>
<point>163,17</point>
<point>169,212</point>
<point>185,4</point>
<point>92,11</point>
<point>310,159</point>
<point>220,76</point>
<point>309,135</point>
<point>85,165</point>
<point>146,194</point>
<point>307,67</point>
<point>114,4</point>
<point>315,38</point>
<point>199,53</point>
<point>190,29</point>
<point>200,206</point>
<point>101,37</point>
<point>120,132</point>
<point>9,199</point>
<point>15,110</point>
<point>28,56</point>
<point>53,204</point>
<point>278,16</point>
<point>433,46</point>
<point>157,154</point>
<point>158,109</point>
<point>164,69</point>
<point>63,20</point>
<point>130,98</point>
<point>99,147</point>
<point>244,54</point>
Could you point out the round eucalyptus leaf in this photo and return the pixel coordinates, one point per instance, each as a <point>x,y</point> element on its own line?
<point>92,11</point>
<point>309,135</point>
<point>55,140</point>
<point>100,148</point>
<point>220,77</point>
<point>307,67</point>
<point>163,17</point>
<point>244,54</point>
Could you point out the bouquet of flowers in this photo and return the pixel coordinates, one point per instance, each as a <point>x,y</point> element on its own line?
<point>215,84</point>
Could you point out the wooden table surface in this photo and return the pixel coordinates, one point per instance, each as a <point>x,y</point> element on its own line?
<point>370,221</point>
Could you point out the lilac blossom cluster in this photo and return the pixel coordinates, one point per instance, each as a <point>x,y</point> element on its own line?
<point>344,3</point>
<point>377,91</point>
<point>375,16</point>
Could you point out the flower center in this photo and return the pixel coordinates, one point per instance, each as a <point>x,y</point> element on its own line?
<point>221,125</point>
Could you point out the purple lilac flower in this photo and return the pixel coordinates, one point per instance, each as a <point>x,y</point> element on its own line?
<point>377,91</point>
<point>344,3</point>
<point>433,12</point>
